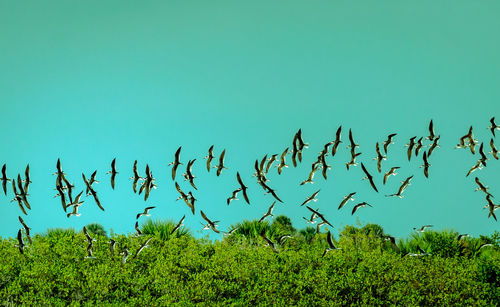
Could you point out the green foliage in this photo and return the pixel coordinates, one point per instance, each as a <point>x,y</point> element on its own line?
<point>163,229</point>
<point>96,229</point>
<point>182,270</point>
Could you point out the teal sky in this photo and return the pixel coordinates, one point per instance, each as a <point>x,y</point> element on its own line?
<point>87,82</point>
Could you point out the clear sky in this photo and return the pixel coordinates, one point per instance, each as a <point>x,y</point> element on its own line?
<point>90,81</point>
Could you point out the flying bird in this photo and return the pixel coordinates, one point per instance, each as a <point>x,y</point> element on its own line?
<point>243,187</point>
<point>26,229</point>
<point>209,157</point>
<point>494,150</point>
<point>421,229</point>
<point>282,163</point>
<point>92,191</point>
<point>311,198</point>
<point>233,196</point>
<point>178,225</point>
<point>418,146</point>
<point>482,187</point>
<point>474,168</point>
<point>269,242</point>
<point>113,173</point>
<point>425,165</point>
<point>27,180</point>
<point>337,140</point>
<point>176,162</point>
<point>389,141</point>
<point>483,158</point>
<point>136,177</point>
<point>137,229</point>
<point>431,132</point>
<point>410,146</point>
<point>392,171</point>
<point>269,212</point>
<point>331,246</point>
<point>369,177</point>
<point>221,166</point>
<point>353,159</point>
<point>346,199</point>
<point>403,187</point>
<point>189,174</point>
<point>211,224</point>
<point>184,197</point>
<point>270,162</point>
<point>143,246</point>
<point>379,158</point>
<point>17,197</point>
<point>360,205</point>
<point>20,241</point>
<point>433,146</point>
<point>4,179</point>
<point>491,207</point>
<point>493,126</point>
<point>321,216</point>
<point>309,179</point>
<point>146,212</point>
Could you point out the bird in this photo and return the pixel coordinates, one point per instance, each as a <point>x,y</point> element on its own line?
<point>233,196</point>
<point>324,166</point>
<point>369,177</point>
<point>113,173</point>
<point>270,162</point>
<point>178,225</point>
<point>92,191</point>
<point>137,229</point>
<point>311,198</point>
<point>211,224</point>
<point>393,243</point>
<point>20,241</point>
<point>176,162</point>
<point>209,157</point>
<point>337,140</point>
<point>59,168</point>
<point>87,235</point>
<point>27,180</point>
<point>143,246</point>
<point>403,187</point>
<point>346,199</point>
<point>301,145</point>
<point>269,212</point>
<point>389,141</point>
<point>69,187</point>
<point>461,236</point>
<point>379,158</point>
<point>26,229</point>
<point>483,158</point>
<point>269,242</point>
<point>493,126</point>
<point>353,159</point>
<point>425,165</point>
<point>17,197</point>
<point>491,207</point>
<point>331,246</point>
<point>294,151</point>
<point>321,216</point>
<point>184,197</point>
<point>420,253</point>
<point>146,212</point>
<point>112,244</point>
<point>410,145</point>
<point>418,146</point>
<point>125,256</point>
<point>282,163</point>
<point>494,150</point>
<point>482,187</point>
<point>484,245</point>
<point>63,198</point>
<point>311,174</point>
<point>392,171</point>
<point>270,191</point>
<point>360,205</point>
<point>92,179</point>
<point>4,179</point>
<point>311,220</point>
<point>431,132</point>
<point>75,211</point>
<point>282,239</point>
<point>318,226</point>
<point>474,168</point>
<point>22,193</point>
<point>421,229</point>
<point>221,166</point>
<point>136,177</point>
<point>352,144</point>
<point>433,146</point>
<point>189,175</point>
<point>243,187</point>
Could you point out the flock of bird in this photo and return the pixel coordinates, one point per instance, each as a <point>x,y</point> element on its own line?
<point>65,189</point>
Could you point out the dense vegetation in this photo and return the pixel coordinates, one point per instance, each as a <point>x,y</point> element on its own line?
<point>240,269</point>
